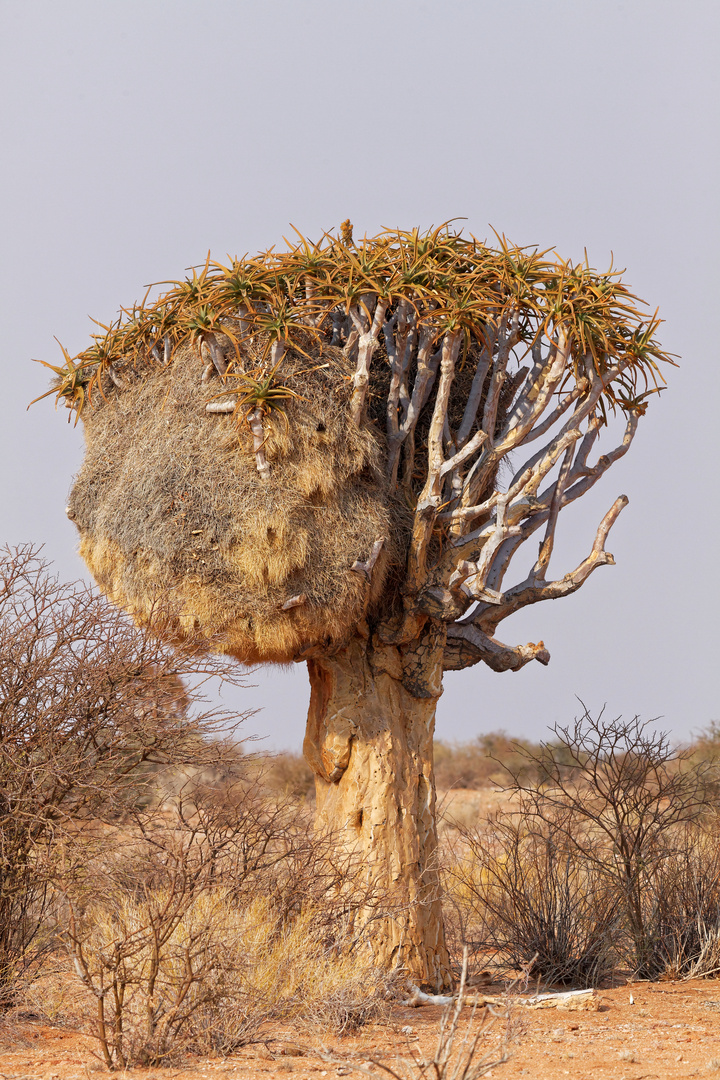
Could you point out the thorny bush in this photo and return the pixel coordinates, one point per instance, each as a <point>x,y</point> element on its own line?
<point>199,928</point>
<point>599,862</point>
<point>91,711</point>
<point>524,893</point>
<point>191,904</point>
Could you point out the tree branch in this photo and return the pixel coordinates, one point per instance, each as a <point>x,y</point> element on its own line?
<point>429,499</point>
<point>467,645</point>
<point>507,339</point>
<point>256,426</point>
<point>474,397</point>
<point>427,366</point>
<point>294,601</point>
<point>546,547</point>
<point>366,568</point>
<point>529,592</point>
<point>367,344</point>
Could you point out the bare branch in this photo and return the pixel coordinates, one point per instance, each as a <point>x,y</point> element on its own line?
<point>294,601</point>
<point>256,426</point>
<point>118,382</point>
<point>590,476</point>
<point>211,346</point>
<point>528,592</point>
<point>508,337</point>
<point>277,351</point>
<point>479,439</point>
<point>467,645</point>
<point>366,568</point>
<point>561,408</point>
<point>524,483</point>
<point>399,350</point>
<point>220,407</point>
<point>367,344</point>
<point>546,547</point>
<point>350,348</point>
<point>475,395</point>
<point>532,404</point>
<point>427,366</point>
<point>429,499</point>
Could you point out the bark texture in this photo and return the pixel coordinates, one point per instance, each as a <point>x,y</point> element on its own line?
<point>369,742</point>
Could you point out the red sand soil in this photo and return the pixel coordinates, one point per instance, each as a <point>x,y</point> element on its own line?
<point>671,1030</point>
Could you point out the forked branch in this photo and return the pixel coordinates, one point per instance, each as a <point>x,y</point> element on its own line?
<point>531,591</point>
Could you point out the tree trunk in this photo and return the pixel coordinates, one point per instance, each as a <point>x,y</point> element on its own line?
<point>369,742</point>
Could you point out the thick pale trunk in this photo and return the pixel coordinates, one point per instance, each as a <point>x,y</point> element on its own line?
<point>370,743</point>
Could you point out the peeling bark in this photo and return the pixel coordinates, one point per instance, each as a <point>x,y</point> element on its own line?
<point>369,742</point>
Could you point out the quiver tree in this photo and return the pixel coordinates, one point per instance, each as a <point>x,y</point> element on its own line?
<point>333,454</point>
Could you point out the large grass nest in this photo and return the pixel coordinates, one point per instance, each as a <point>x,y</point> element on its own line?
<point>176,524</point>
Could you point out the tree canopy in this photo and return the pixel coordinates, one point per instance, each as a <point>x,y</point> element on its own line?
<point>455,356</point>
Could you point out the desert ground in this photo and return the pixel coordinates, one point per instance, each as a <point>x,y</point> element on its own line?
<point>638,1031</point>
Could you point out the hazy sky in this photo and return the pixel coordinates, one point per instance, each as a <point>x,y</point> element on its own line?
<point>138,134</point>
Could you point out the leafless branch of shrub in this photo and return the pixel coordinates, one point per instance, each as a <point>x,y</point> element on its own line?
<point>90,709</point>
<point>161,967</point>
<point>682,900</point>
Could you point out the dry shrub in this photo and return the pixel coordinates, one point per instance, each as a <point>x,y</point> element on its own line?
<point>310,975</point>
<point>608,859</point>
<point>195,925</point>
<point>682,902</point>
<point>91,710</point>
<point>163,978</point>
<point>618,792</point>
<point>525,895</point>
<point>168,502</point>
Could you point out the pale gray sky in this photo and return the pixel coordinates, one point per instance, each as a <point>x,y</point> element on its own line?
<point>138,134</point>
